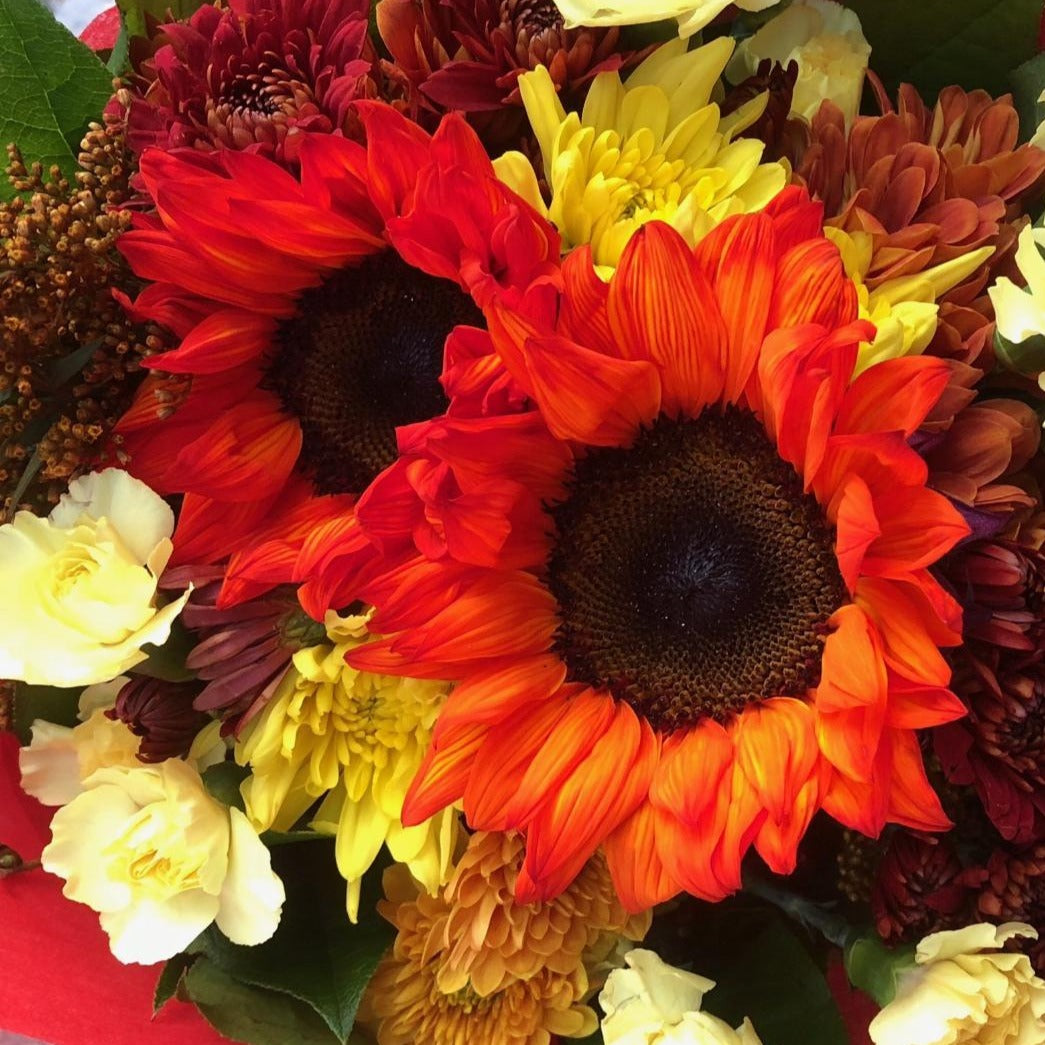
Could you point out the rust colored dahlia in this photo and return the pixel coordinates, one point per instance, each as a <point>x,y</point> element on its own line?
<point>469,54</point>
<point>473,965</point>
<point>315,317</point>
<point>930,185</point>
<point>920,888</point>
<point>726,621</point>
<point>251,75</point>
<point>1014,891</point>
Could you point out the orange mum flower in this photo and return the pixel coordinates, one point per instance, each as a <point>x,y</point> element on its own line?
<point>726,621</point>
<point>316,314</point>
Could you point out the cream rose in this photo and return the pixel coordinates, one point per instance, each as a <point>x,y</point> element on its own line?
<point>963,990</point>
<point>59,759</point>
<point>692,16</point>
<point>652,1003</point>
<point>81,584</point>
<point>160,859</point>
<point>1021,312</point>
<point>828,43</point>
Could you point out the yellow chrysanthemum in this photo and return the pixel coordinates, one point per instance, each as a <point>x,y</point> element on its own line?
<point>904,308</point>
<point>655,148</point>
<point>357,739</point>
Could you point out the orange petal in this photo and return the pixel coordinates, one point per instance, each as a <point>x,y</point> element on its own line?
<point>705,753</point>
<point>585,303</point>
<point>777,840</point>
<point>738,257</point>
<point>222,340</point>
<point>601,793</point>
<point>856,527</point>
<point>912,800</point>
<point>503,761</point>
<point>662,308</point>
<point>777,751</point>
<point>910,633</point>
<point>853,668</point>
<point>912,706</point>
<point>443,775</point>
<point>686,851</point>
<point>492,695</point>
<point>812,287</point>
<point>639,875</point>
<point>894,395</point>
<point>918,527</point>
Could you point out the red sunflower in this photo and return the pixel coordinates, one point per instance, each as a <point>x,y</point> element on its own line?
<point>316,315</point>
<point>716,617</point>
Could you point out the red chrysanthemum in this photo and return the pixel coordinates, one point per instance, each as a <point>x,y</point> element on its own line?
<point>254,75</point>
<point>712,614</point>
<point>312,314</point>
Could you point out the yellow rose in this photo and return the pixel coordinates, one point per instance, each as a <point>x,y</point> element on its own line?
<point>59,759</point>
<point>692,16</point>
<point>828,43</point>
<point>965,991</point>
<point>81,584</point>
<point>160,859</point>
<point>652,1003</point>
<point>1021,312</point>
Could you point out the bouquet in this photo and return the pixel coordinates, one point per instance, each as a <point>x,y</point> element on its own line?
<point>522,521</point>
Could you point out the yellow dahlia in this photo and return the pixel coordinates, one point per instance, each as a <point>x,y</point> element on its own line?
<point>473,965</point>
<point>903,308</point>
<point>655,147</point>
<point>356,740</point>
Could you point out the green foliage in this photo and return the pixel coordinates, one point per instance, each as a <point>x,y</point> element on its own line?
<point>167,662</point>
<point>46,702</point>
<point>1025,357</point>
<point>933,43</point>
<point>170,981</point>
<point>137,12</point>
<point>51,86</point>
<point>223,782</point>
<point>317,962</point>
<point>874,968</point>
<point>1028,82</point>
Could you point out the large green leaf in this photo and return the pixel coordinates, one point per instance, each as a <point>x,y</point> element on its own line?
<point>933,43</point>
<point>51,86</point>
<point>1028,83</point>
<point>135,12</point>
<point>47,702</point>
<point>246,1014</point>
<point>317,956</point>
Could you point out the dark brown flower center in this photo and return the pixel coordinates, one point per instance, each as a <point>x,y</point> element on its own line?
<point>363,356</point>
<point>693,574</point>
<point>532,15</point>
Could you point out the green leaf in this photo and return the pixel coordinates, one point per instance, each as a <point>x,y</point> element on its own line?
<point>271,838</point>
<point>317,956</point>
<point>223,781</point>
<point>1024,357</point>
<point>51,86</point>
<point>169,981</point>
<point>934,43</point>
<point>47,702</point>
<point>246,1014</point>
<point>764,971</point>
<point>875,968</point>
<point>120,58</point>
<point>135,12</point>
<point>1028,82</point>
<point>71,365</point>
<point>167,662</point>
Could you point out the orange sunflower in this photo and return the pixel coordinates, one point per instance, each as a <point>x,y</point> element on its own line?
<point>316,314</point>
<point>720,619</point>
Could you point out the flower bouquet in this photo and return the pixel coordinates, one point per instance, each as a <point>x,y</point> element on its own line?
<point>522,522</point>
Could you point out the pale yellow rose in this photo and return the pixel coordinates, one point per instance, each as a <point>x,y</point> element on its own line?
<point>1021,312</point>
<point>160,860</point>
<point>963,990</point>
<point>828,43</point>
<point>691,16</point>
<point>652,1003</point>
<point>81,584</point>
<point>59,759</point>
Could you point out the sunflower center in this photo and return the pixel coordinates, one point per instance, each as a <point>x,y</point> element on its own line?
<point>693,574</point>
<point>363,356</point>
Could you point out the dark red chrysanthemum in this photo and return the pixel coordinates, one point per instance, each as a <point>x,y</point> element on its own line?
<point>920,888</point>
<point>162,714</point>
<point>253,75</point>
<point>1014,891</point>
<point>469,54</point>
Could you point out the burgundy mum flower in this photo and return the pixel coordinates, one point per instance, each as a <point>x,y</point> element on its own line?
<point>1014,891</point>
<point>251,76</point>
<point>469,54</point>
<point>921,888</point>
<point>162,714</point>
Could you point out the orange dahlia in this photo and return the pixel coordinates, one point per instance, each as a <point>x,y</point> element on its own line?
<point>726,622</point>
<point>316,314</point>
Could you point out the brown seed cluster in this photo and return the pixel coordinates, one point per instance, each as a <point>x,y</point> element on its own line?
<point>69,355</point>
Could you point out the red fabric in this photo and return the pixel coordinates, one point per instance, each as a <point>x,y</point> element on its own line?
<point>60,984</point>
<point>857,1008</point>
<point>101,33</point>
